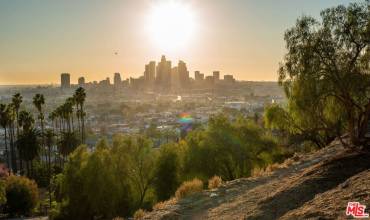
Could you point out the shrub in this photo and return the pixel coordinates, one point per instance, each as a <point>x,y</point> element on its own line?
<point>21,195</point>
<point>214,182</point>
<point>139,214</point>
<point>189,187</point>
<point>164,204</point>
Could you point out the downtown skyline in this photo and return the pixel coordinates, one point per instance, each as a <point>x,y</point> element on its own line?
<point>39,39</point>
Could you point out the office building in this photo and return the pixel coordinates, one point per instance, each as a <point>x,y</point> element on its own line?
<point>163,74</point>
<point>81,81</point>
<point>183,74</point>
<point>216,76</point>
<point>65,80</point>
<point>229,78</point>
<point>149,74</point>
<point>117,79</point>
<point>198,76</point>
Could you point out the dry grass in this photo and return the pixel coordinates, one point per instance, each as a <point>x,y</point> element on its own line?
<point>214,182</point>
<point>118,218</point>
<point>164,204</point>
<point>272,167</point>
<point>189,187</point>
<point>139,214</point>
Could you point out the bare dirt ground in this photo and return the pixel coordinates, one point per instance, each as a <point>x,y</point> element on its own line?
<point>318,186</point>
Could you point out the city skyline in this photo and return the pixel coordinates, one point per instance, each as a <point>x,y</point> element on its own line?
<point>39,39</point>
<point>161,75</point>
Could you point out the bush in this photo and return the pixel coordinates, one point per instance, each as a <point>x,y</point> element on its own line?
<point>164,204</point>
<point>189,187</point>
<point>139,214</point>
<point>21,195</point>
<point>214,182</point>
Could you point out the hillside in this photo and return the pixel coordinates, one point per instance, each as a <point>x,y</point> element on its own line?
<point>315,186</point>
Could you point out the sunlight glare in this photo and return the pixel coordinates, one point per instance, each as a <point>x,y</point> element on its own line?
<point>171,25</point>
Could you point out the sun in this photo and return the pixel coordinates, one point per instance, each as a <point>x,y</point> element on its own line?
<point>171,25</point>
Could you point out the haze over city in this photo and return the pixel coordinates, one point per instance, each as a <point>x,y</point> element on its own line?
<point>41,39</point>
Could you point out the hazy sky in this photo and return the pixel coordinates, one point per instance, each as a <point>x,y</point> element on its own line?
<point>39,39</point>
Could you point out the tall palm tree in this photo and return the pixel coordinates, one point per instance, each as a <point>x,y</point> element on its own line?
<point>27,138</point>
<point>71,102</point>
<point>17,101</point>
<point>12,118</point>
<point>50,140</point>
<point>4,122</point>
<point>26,121</point>
<point>39,101</point>
<point>80,96</point>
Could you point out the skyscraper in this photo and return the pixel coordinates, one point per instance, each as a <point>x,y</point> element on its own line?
<point>163,77</point>
<point>81,81</point>
<point>198,76</point>
<point>65,80</point>
<point>216,76</point>
<point>149,74</point>
<point>117,79</point>
<point>229,78</point>
<point>183,74</point>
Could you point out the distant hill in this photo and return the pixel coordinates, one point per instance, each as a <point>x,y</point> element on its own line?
<point>314,186</point>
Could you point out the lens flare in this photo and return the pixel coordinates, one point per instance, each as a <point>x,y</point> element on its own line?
<point>185,118</point>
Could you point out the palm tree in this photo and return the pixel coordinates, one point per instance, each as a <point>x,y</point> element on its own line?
<point>25,121</point>
<point>17,101</point>
<point>71,102</point>
<point>80,96</point>
<point>27,142</point>
<point>12,118</point>
<point>4,122</point>
<point>49,143</point>
<point>39,101</point>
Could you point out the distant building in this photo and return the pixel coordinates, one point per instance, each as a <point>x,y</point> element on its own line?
<point>105,83</point>
<point>117,79</point>
<point>163,71</point>
<point>216,75</point>
<point>81,81</point>
<point>65,80</point>
<point>149,74</point>
<point>175,79</point>
<point>183,74</point>
<point>209,80</point>
<point>198,76</point>
<point>229,78</point>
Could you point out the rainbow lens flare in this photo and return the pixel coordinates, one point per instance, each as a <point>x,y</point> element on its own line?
<point>185,118</point>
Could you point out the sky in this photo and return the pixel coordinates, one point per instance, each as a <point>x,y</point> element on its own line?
<point>39,39</point>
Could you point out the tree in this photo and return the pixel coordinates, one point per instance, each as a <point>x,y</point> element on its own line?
<point>17,101</point>
<point>229,149</point>
<point>68,143</point>
<point>12,118</point>
<point>49,141</point>
<point>167,172</point>
<point>4,122</point>
<point>39,101</point>
<point>28,143</point>
<point>327,64</point>
<point>79,97</point>
<point>21,195</point>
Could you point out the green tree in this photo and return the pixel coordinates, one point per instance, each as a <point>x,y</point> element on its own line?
<point>21,195</point>
<point>230,149</point>
<point>39,101</point>
<point>167,172</point>
<point>327,64</point>
<point>17,100</point>
<point>4,122</point>
<point>79,97</point>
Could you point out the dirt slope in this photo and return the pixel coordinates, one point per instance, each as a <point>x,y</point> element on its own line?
<point>316,187</point>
